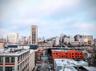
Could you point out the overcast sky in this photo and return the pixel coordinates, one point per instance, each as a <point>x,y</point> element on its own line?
<point>53,17</point>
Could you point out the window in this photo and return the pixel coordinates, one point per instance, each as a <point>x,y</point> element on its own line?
<point>1,60</point>
<point>1,68</point>
<point>12,59</point>
<point>7,59</point>
<point>9,68</point>
<point>59,68</point>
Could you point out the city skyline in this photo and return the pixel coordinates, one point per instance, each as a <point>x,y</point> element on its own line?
<point>52,17</point>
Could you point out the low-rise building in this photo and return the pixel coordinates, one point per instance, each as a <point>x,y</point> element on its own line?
<point>75,43</point>
<point>68,64</point>
<point>84,39</point>
<point>67,40</point>
<point>2,44</point>
<point>57,41</point>
<point>70,54</point>
<point>94,42</point>
<point>16,59</point>
<point>12,38</point>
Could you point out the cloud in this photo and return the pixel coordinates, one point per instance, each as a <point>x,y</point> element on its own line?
<point>19,15</point>
<point>27,8</point>
<point>50,6</point>
<point>85,26</point>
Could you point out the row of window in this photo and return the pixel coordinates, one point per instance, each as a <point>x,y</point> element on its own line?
<point>68,56</point>
<point>68,53</point>
<point>7,59</point>
<point>7,68</point>
<point>24,64</point>
<point>23,56</point>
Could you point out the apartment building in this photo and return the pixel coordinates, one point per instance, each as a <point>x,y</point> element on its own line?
<point>69,54</point>
<point>14,60</point>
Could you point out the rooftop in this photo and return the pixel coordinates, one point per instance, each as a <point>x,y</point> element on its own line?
<point>12,52</point>
<point>70,62</point>
<point>90,68</point>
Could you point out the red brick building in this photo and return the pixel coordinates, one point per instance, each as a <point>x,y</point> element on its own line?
<point>70,54</point>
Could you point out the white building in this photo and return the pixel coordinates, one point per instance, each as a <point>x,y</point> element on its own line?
<point>88,40</point>
<point>17,59</point>
<point>75,43</point>
<point>67,64</point>
<point>2,44</point>
<point>31,60</point>
<point>14,60</point>
<point>57,41</point>
<point>71,39</point>
<point>12,38</point>
<point>67,39</point>
<point>90,68</point>
<point>84,39</point>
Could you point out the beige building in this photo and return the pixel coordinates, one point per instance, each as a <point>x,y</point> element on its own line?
<point>2,44</point>
<point>34,34</point>
<point>12,38</point>
<point>31,60</point>
<point>84,39</point>
<point>88,40</point>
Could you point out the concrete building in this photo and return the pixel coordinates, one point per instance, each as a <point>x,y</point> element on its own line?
<point>2,44</point>
<point>12,38</point>
<point>75,43</point>
<point>67,39</point>
<point>17,59</point>
<point>95,42</point>
<point>29,40</point>
<point>84,39</point>
<point>71,39</point>
<point>78,37</point>
<point>23,40</point>
<point>31,60</point>
<point>69,54</point>
<point>57,41</point>
<point>14,60</point>
<point>68,64</point>
<point>34,34</point>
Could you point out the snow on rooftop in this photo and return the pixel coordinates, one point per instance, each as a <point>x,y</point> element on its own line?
<point>90,68</point>
<point>69,62</point>
<point>68,69</point>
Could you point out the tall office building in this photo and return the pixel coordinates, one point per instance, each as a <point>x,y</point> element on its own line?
<point>34,34</point>
<point>12,38</point>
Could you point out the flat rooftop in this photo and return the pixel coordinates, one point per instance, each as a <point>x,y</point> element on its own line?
<point>70,62</point>
<point>12,52</point>
<point>90,68</point>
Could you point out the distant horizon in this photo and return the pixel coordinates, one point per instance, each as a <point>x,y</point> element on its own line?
<point>20,35</point>
<point>53,17</point>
